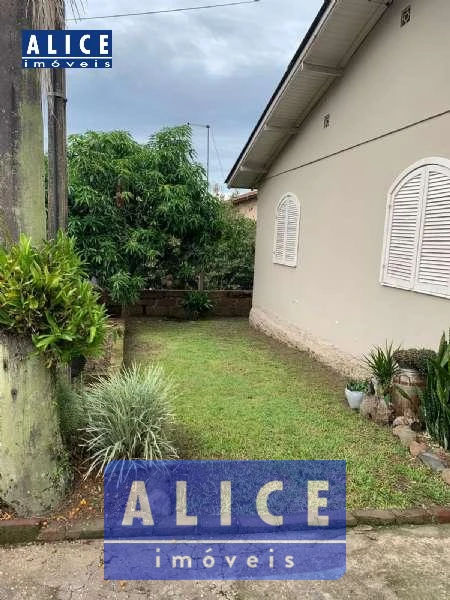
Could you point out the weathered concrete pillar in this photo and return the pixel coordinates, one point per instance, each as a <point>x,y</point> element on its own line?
<point>33,469</point>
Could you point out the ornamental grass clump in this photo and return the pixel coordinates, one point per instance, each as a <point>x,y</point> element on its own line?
<point>128,415</point>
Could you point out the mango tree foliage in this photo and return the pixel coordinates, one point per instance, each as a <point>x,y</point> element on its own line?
<point>140,212</point>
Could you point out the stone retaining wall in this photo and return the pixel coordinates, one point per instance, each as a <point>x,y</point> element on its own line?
<point>169,303</point>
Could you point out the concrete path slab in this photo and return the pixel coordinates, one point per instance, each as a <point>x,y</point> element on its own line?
<point>401,563</point>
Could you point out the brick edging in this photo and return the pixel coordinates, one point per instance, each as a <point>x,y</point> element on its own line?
<point>23,531</point>
<point>408,516</point>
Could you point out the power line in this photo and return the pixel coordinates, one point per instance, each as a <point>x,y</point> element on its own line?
<point>160,12</point>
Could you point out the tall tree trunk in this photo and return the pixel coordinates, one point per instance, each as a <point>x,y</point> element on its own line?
<point>33,465</point>
<point>31,470</point>
<point>22,206</point>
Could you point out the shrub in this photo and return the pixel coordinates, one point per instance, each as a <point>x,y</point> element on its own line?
<point>230,259</point>
<point>436,397</point>
<point>414,358</point>
<point>126,416</point>
<point>45,294</point>
<point>197,304</point>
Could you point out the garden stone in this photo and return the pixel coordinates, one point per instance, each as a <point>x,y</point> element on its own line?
<point>375,409</point>
<point>407,421</point>
<point>402,421</point>
<point>432,461</point>
<point>363,528</point>
<point>405,434</point>
<point>417,448</point>
<point>446,476</point>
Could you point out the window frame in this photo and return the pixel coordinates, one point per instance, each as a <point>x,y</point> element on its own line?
<point>420,166</point>
<point>284,262</point>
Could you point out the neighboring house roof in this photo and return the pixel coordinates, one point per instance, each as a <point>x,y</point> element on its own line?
<point>337,32</point>
<point>248,197</point>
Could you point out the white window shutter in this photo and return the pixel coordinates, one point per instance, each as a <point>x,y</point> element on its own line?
<point>433,264</point>
<point>402,232</point>
<point>280,232</point>
<point>293,219</point>
<point>286,231</point>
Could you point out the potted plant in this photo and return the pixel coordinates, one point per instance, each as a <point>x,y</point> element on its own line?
<point>355,390</point>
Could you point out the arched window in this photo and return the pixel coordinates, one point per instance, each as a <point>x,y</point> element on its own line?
<point>416,252</point>
<point>287,224</point>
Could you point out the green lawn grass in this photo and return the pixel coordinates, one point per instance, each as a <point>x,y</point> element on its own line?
<point>244,396</point>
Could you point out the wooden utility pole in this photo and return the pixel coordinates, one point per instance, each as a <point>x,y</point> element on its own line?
<point>57,146</point>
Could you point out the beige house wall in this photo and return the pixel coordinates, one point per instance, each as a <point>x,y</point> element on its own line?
<point>391,109</point>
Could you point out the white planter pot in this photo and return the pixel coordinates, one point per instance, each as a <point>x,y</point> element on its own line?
<point>354,399</point>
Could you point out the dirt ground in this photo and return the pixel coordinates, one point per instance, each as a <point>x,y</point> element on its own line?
<point>394,564</point>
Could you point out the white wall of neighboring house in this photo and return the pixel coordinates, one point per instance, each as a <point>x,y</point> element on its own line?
<point>389,110</point>
<point>248,208</point>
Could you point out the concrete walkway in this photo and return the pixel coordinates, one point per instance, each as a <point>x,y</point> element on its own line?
<point>400,563</point>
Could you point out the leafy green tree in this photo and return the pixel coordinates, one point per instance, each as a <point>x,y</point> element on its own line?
<point>231,257</point>
<point>140,212</point>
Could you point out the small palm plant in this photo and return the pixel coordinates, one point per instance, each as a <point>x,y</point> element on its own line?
<point>384,368</point>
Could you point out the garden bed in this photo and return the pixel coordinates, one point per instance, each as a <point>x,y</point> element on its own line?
<point>242,395</point>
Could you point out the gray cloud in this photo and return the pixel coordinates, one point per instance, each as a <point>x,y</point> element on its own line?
<point>216,66</point>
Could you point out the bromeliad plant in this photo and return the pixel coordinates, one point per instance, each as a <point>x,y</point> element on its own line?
<point>436,397</point>
<point>45,294</point>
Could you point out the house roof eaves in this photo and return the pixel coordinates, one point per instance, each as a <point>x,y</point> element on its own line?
<point>253,164</point>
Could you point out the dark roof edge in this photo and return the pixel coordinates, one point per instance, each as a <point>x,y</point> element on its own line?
<point>288,71</point>
<point>251,195</point>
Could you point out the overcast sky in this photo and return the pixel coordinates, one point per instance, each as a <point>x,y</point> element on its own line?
<point>218,66</point>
